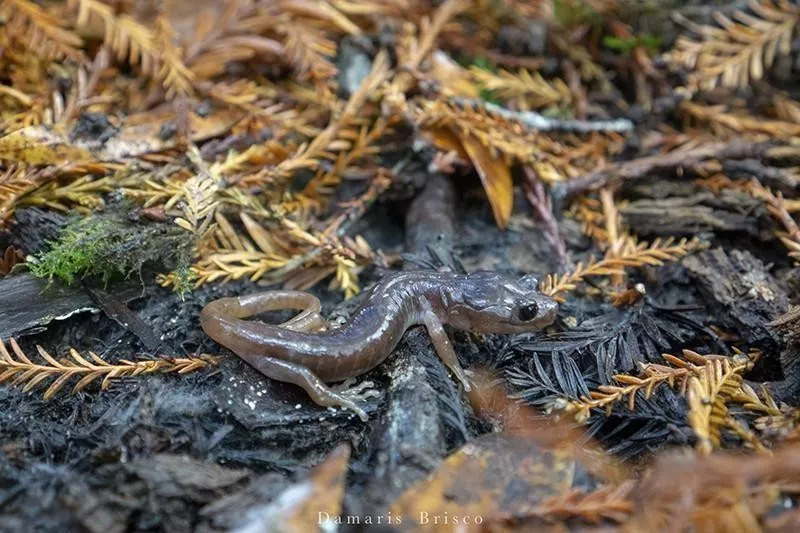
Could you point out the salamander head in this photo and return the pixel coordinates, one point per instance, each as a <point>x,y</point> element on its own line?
<point>491,302</point>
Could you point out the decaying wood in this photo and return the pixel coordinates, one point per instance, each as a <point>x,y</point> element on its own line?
<point>645,167</point>
<point>689,215</point>
<point>788,324</point>
<point>31,304</point>
<point>740,292</point>
<point>780,179</point>
<point>788,327</point>
<point>430,217</point>
<point>419,390</point>
<point>118,311</point>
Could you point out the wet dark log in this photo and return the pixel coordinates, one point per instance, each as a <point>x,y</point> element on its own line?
<point>788,327</point>
<point>423,403</point>
<point>116,310</point>
<point>689,215</point>
<point>645,167</point>
<point>430,218</point>
<point>30,304</point>
<point>741,294</point>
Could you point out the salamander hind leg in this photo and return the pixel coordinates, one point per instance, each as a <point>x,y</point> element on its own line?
<point>307,321</point>
<point>303,377</point>
<point>351,388</point>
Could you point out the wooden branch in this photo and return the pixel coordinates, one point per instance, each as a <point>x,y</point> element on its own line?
<point>645,166</point>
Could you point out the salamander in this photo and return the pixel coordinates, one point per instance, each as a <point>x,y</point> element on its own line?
<point>308,352</point>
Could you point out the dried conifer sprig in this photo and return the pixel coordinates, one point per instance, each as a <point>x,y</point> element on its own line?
<point>199,197</point>
<point>40,31</point>
<point>323,146</point>
<point>605,397</point>
<point>174,74</point>
<point>605,503</point>
<point>417,49</point>
<point>274,243</point>
<point>708,394</point>
<point>735,125</point>
<point>133,42</point>
<point>740,49</point>
<point>18,369</point>
<point>508,138</point>
<point>603,222</point>
<point>528,91</point>
<point>589,211</point>
<point>199,204</point>
<point>15,183</point>
<point>632,255</point>
<point>83,195</point>
<point>709,382</point>
<point>503,136</point>
<point>279,249</point>
<point>777,208</point>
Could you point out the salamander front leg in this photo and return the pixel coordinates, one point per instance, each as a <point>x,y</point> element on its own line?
<point>305,378</point>
<point>444,349</point>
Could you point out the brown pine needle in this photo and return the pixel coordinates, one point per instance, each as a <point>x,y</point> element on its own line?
<point>39,30</point>
<point>709,382</point>
<point>654,254</point>
<point>778,209</point>
<point>532,91</point>
<point>154,52</point>
<point>739,50</point>
<point>17,369</point>
<point>199,197</point>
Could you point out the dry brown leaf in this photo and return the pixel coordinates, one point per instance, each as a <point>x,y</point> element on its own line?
<point>494,475</point>
<point>314,504</point>
<point>494,172</point>
<point>496,178</point>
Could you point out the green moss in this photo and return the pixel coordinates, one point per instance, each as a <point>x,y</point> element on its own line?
<point>77,252</point>
<point>108,246</point>
<point>184,279</point>
<point>575,13</point>
<point>624,46</point>
<point>489,96</point>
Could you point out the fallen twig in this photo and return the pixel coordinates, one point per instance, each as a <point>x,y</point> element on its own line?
<point>543,211</point>
<point>644,166</point>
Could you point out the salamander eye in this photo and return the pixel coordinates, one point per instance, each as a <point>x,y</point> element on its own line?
<point>528,311</point>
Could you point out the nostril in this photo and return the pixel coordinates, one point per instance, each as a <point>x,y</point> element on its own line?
<point>552,310</point>
<point>529,282</point>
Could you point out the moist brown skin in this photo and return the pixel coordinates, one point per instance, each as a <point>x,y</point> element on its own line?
<point>306,352</point>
